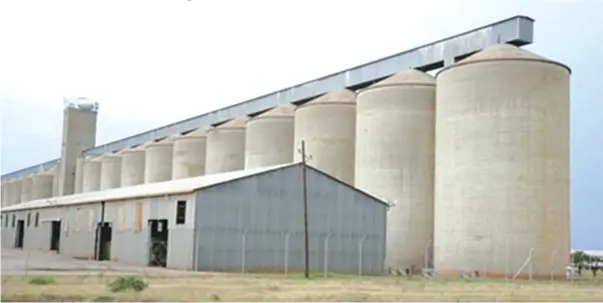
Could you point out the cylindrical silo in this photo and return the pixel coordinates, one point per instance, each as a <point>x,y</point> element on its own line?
<point>26,189</point>
<point>395,138</point>
<point>5,193</point>
<point>41,185</point>
<point>226,147</point>
<point>158,161</point>
<point>189,155</point>
<point>92,175</point>
<point>502,165</point>
<point>110,172</point>
<point>55,180</point>
<point>15,191</point>
<point>269,138</point>
<point>132,167</point>
<point>328,127</point>
<point>79,175</point>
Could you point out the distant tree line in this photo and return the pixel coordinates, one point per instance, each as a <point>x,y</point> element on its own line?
<point>582,257</point>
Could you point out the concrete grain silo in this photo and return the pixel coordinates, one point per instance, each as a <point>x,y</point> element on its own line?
<point>92,175</point>
<point>189,155</point>
<point>226,147</point>
<point>41,185</point>
<point>132,167</point>
<point>328,126</point>
<point>56,176</point>
<point>269,138</point>
<point>15,191</point>
<point>110,171</point>
<point>26,189</point>
<point>395,138</point>
<point>5,193</point>
<point>79,175</point>
<point>158,161</point>
<point>502,165</point>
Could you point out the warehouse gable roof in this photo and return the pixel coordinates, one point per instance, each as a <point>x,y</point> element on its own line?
<point>172,187</point>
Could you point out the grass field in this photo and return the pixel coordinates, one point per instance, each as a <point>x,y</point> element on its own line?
<point>232,287</point>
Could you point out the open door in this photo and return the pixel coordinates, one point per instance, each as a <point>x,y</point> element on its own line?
<point>104,233</point>
<point>158,234</point>
<point>55,235</point>
<point>20,236</point>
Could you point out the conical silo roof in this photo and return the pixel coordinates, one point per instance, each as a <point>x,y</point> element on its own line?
<point>281,110</point>
<point>341,96</point>
<point>503,52</point>
<point>238,122</point>
<point>407,76</point>
<point>199,132</point>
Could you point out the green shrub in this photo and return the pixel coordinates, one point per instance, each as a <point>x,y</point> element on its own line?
<point>41,280</point>
<point>128,283</point>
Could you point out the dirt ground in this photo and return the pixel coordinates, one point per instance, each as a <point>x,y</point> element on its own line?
<point>73,280</point>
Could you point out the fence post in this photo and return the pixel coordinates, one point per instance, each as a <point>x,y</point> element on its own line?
<point>426,265</point>
<point>287,236</point>
<point>360,250</point>
<point>326,265</point>
<point>531,264</point>
<point>552,265</point>
<point>244,250</point>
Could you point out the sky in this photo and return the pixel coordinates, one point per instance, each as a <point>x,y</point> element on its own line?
<point>150,63</point>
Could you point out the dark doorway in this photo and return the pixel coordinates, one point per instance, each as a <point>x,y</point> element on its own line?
<point>20,236</point>
<point>55,235</point>
<point>102,245</point>
<point>158,250</point>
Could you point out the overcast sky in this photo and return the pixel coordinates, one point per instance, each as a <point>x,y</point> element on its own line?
<point>151,63</point>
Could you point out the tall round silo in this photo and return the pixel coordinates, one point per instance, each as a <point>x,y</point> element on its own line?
<point>269,138</point>
<point>327,125</point>
<point>26,189</point>
<point>6,188</point>
<point>41,185</point>
<point>226,147</point>
<point>79,175</point>
<point>110,171</point>
<point>158,161</point>
<point>55,179</point>
<point>15,191</point>
<point>92,175</point>
<point>132,167</point>
<point>502,165</point>
<point>395,147</point>
<point>189,155</point>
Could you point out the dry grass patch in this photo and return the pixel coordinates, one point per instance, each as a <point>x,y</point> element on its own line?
<point>234,287</point>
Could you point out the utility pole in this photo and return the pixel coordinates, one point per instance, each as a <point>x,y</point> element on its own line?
<point>305,190</point>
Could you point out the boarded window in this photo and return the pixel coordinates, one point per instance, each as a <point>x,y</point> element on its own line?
<point>37,220</point>
<point>90,220</point>
<point>137,217</point>
<point>78,219</point>
<point>120,218</point>
<point>181,212</point>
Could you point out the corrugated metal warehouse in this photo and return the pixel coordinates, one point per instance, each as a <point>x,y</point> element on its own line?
<point>248,220</point>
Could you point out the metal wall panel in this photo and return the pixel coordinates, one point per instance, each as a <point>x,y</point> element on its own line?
<point>256,224</point>
<point>78,230</point>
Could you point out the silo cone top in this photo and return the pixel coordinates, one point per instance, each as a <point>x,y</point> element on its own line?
<point>502,52</point>
<point>279,111</point>
<point>407,76</point>
<point>341,96</point>
<point>236,123</point>
<point>199,132</point>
